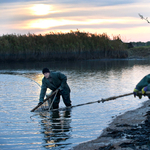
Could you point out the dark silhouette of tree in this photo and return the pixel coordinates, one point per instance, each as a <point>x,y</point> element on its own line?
<point>141,16</point>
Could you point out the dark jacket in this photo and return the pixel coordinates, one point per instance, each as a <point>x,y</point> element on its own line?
<point>56,80</point>
<point>144,82</point>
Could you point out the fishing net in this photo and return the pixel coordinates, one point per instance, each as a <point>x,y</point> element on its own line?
<point>45,106</point>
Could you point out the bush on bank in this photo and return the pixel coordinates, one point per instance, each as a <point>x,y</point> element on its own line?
<point>60,46</point>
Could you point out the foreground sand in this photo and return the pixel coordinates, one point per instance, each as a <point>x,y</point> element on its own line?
<point>128,131</point>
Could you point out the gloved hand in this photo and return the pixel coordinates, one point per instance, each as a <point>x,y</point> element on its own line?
<point>40,103</point>
<point>144,90</point>
<point>135,92</point>
<point>60,88</point>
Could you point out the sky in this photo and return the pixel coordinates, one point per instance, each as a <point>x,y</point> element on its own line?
<point>115,18</point>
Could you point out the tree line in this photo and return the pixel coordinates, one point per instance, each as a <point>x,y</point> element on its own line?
<point>138,44</point>
<point>74,45</point>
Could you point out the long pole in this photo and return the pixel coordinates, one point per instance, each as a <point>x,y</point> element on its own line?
<point>104,100</point>
<point>98,101</point>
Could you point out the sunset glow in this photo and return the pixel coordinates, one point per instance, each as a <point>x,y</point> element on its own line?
<point>47,23</point>
<point>39,17</point>
<point>41,9</point>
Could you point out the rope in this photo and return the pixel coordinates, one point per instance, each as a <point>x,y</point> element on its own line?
<point>33,116</point>
<point>102,100</point>
<point>11,73</point>
<point>31,80</point>
<point>98,101</point>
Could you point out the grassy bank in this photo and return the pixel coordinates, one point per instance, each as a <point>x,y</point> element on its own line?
<point>61,46</point>
<point>139,52</point>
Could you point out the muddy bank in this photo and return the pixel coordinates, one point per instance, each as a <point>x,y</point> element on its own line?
<point>130,131</point>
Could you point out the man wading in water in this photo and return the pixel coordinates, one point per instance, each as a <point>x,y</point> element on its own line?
<point>55,81</point>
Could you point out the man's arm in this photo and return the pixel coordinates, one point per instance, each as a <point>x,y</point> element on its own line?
<point>63,79</point>
<point>43,91</point>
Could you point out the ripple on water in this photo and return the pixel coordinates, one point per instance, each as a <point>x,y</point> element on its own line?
<point>63,129</point>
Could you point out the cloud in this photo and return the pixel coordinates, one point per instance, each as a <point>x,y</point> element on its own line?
<point>78,13</point>
<point>65,15</point>
<point>75,2</point>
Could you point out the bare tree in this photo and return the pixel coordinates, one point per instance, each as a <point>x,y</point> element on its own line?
<point>141,16</point>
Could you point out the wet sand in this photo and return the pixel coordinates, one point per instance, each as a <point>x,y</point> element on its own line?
<point>128,131</point>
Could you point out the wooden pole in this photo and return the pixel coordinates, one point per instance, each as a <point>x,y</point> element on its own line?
<point>103,100</point>
<point>44,101</point>
<point>98,101</point>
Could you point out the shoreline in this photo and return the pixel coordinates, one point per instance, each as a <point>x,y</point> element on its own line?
<point>126,132</point>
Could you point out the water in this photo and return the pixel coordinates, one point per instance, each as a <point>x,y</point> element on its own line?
<point>89,81</point>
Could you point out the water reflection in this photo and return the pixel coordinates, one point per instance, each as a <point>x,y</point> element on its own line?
<point>105,65</point>
<point>56,127</point>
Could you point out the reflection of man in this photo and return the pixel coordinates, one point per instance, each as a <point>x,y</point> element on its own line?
<point>54,81</point>
<point>57,127</point>
<point>61,123</point>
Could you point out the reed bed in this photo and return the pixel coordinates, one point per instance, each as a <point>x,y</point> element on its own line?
<point>74,45</point>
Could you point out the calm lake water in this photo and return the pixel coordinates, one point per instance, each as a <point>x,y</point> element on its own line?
<point>89,81</point>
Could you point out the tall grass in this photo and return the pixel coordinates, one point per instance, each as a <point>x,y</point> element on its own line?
<point>60,46</point>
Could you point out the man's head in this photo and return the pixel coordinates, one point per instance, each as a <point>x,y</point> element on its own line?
<point>46,72</point>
